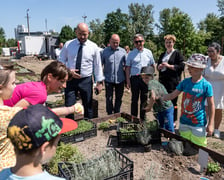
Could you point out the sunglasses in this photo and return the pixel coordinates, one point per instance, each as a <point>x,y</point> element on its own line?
<point>140,41</point>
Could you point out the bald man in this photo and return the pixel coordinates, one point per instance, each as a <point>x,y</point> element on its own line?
<point>82,56</point>
<point>113,59</point>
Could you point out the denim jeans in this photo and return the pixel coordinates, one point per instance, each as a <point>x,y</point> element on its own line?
<point>119,91</point>
<point>166,119</point>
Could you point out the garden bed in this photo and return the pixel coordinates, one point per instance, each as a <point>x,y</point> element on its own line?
<point>110,165</point>
<point>81,133</point>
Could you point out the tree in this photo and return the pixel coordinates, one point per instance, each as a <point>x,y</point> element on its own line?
<point>117,22</point>
<point>212,24</point>
<point>96,32</point>
<point>174,21</point>
<point>2,37</point>
<point>11,43</point>
<point>141,19</point>
<point>221,6</point>
<point>66,34</point>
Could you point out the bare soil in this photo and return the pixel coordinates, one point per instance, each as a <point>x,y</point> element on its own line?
<point>159,160</point>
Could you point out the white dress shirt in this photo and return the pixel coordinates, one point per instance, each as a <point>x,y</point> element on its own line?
<point>91,59</point>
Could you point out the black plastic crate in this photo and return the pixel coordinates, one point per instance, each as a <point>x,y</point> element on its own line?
<point>130,138</point>
<point>80,136</point>
<point>126,167</point>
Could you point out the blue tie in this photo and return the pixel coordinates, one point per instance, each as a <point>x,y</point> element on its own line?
<point>79,59</point>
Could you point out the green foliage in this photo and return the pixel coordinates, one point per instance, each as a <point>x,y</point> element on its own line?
<point>104,125</point>
<point>212,25</point>
<point>130,128</point>
<point>117,22</point>
<point>120,119</point>
<point>83,126</point>
<point>110,122</point>
<point>151,125</point>
<point>104,166</point>
<point>221,6</point>
<point>2,37</point>
<point>11,43</point>
<point>213,168</point>
<point>64,153</point>
<point>144,136</point>
<point>141,19</point>
<point>96,32</point>
<point>66,34</point>
<point>57,103</point>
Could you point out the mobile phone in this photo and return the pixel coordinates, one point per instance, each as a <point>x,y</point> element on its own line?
<point>96,91</point>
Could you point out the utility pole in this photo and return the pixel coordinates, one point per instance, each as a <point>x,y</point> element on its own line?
<point>27,17</point>
<point>46,25</point>
<point>84,17</point>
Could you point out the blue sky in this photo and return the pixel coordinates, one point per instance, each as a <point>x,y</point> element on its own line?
<point>69,12</point>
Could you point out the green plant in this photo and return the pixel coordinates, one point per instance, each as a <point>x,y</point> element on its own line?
<point>64,152</point>
<point>57,103</point>
<point>120,119</point>
<point>151,125</point>
<point>104,125</point>
<point>213,168</point>
<point>83,126</point>
<point>144,137</point>
<point>104,166</point>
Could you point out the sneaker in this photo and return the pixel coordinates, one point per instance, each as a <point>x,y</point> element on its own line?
<point>217,133</point>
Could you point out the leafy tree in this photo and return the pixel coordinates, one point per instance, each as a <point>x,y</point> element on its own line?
<point>2,37</point>
<point>96,32</point>
<point>117,22</point>
<point>141,19</point>
<point>174,21</point>
<point>221,6</point>
<point>211,24</point>
<point>66,34</point>
<point>11,42</point>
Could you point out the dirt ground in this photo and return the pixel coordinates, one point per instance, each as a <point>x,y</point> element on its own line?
<point>161,162</point>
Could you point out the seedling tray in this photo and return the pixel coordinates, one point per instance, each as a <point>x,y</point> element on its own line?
<point>126,166</point>
<point>130,138</point>
<point>80,136</point>
<point>126,116</point>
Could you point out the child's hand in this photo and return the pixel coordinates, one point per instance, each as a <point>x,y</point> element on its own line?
<point>153,95</point>
<point>78,108</point>
<point>209,129</point>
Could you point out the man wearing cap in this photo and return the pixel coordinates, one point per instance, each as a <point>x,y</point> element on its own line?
<point>136,59</point>
<point>196,89</point>
<point>34,133</point>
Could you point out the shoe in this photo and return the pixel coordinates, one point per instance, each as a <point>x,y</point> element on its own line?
<point>216,133</point>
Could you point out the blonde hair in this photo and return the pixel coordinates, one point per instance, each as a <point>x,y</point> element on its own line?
<point>170,37</point>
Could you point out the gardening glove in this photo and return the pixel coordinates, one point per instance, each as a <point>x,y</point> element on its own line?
<point>78,108</point>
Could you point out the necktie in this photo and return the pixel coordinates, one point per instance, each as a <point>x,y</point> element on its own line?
<point>79,59</point>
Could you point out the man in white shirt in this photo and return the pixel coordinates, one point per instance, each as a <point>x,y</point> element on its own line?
<point>58,50</point>
<point>82,56</point>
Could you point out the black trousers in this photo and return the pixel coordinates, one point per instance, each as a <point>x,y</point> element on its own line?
<point>138,88</point>
<point>119,91</point>
<point>85,88</point>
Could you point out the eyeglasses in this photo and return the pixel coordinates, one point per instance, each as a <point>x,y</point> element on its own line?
<point>140,41</point>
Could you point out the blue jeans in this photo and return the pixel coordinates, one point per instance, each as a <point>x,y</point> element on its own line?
<point>166,119</point>
<point>85,87</point>
<point>119,91</point>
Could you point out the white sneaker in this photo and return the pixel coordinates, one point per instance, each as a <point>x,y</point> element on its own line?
<point>217,133</point>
